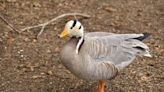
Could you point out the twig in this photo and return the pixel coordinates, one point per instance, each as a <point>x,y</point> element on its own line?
<point>43,25</point>
<point>41,31</point>
<point>75,17</point>
<point>11,26</point>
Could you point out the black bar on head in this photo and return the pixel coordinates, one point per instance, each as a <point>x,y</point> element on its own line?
<point>74,23</point>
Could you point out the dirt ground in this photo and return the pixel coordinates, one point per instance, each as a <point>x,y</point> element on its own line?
<point>30,65</point>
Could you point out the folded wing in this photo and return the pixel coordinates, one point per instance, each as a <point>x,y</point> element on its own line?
<point>119,49</point>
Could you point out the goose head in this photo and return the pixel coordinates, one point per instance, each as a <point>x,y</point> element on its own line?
<point>73,28</point>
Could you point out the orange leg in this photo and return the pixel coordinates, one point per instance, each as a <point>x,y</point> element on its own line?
<point>101,86</point>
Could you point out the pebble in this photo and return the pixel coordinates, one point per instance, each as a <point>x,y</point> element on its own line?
<point>50,83</point>
<point>49,73</point>
<point>21,50</point>
<point>37,4</point>
<point>11,1</point>
<point>42,73</point>
<point>36,76</point>
<point>57,49</point>
<point>59,66</point>
<point>34,40</point>
<point>48,51</point>
<point>26,39</point>
<point>22,56</point>
<point>110,9</point>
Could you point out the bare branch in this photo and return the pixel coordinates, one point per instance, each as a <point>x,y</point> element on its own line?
<point>43,25</point>
<point>27,28</point>
<point>11,26</point>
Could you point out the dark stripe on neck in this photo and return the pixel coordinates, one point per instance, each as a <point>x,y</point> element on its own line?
<point>74,23</point>
<point>81,45</point>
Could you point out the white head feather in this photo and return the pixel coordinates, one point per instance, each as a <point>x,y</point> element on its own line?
<point>74,28</point>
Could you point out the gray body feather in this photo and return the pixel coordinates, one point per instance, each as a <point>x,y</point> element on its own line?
<point>102,54</point>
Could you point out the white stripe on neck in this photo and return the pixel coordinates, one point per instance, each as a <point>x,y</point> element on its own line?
<point>79,44</point>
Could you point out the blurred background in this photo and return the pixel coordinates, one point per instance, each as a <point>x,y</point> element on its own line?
<point>28,64</point>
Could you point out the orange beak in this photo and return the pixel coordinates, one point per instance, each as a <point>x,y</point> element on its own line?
<point>64,33</point>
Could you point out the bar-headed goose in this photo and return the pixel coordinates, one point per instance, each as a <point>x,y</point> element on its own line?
<point>99,55</point>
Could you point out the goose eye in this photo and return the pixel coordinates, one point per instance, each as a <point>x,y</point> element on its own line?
<point>80,27</point>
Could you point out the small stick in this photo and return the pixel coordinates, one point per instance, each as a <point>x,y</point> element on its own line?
<point>41,31</point>
<point>75,17</point>
<point>11,26</point>
<point>43,25</point>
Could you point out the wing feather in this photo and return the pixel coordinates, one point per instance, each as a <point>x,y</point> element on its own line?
<point>119,49</point>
